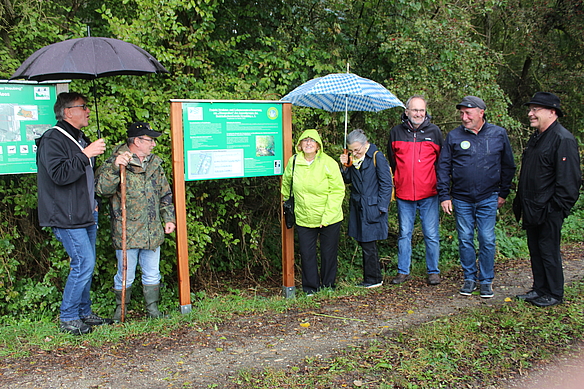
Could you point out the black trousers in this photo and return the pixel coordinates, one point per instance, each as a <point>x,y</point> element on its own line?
<point>329,246</point>
<point>371,265</point>
<point>546,261</point>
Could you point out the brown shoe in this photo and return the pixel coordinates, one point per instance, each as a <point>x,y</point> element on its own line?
<point>400,278</point>
<point>434,279</point>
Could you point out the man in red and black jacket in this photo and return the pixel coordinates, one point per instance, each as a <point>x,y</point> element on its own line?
<point>412,151</point>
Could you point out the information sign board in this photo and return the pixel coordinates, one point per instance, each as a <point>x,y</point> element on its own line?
<point>228,139</point>
<point>26,112</point>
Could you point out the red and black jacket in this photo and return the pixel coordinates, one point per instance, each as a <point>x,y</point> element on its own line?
<point>413,155</point>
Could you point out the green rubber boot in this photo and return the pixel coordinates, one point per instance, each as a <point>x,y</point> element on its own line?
<point>151,299</point>
<point>118,313</point>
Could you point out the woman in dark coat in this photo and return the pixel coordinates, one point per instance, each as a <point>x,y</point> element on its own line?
<point>370,179</point>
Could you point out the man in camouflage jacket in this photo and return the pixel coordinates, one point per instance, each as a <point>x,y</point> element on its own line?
<point>149,212</point>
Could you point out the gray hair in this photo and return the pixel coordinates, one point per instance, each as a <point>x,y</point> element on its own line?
<point>416,97</point>
<point>131,141</point>
<point>64,100</point>
<point>356,136</point>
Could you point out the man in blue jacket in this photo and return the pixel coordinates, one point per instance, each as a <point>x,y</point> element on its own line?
<point>475,170</point>
<point>66,203</point>
<point>549,186</point>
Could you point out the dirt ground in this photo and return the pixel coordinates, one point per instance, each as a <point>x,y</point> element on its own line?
<point>196,357</point>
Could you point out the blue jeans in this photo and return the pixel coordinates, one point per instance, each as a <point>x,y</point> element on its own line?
<point>482,216</point>
<point>80,245</point>
<point>149,263</point>
<point>429,216</point>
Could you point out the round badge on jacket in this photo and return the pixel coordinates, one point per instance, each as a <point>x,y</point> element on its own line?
<point>464,144</point>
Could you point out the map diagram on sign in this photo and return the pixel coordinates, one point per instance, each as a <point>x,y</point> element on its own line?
<point>26,112</point>
<point>209,164</point>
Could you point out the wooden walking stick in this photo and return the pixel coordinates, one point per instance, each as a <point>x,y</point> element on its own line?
<point>124,250</point>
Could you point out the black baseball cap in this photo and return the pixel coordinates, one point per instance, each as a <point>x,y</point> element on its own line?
<point>472,102</point>
<point>142,128</point>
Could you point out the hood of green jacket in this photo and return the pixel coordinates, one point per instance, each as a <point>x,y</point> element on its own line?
<point>310,134</point>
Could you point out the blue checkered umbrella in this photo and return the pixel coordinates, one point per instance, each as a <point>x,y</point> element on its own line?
<point>339,92</point>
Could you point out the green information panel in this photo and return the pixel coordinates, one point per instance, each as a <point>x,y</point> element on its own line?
<point>232,139</point>
<point>26,112</point>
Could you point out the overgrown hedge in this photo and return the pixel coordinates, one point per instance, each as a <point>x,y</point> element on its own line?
<point>224,49</point>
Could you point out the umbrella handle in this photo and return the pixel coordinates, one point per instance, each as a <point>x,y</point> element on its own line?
<point>349,158</point>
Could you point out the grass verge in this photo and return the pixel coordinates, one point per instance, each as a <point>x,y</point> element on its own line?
<point>20,337</point>
<point>474,349</point>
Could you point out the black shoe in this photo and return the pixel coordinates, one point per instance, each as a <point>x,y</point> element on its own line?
<point>529,296</point>
<point>487,291</point>
<point>546,301</point>
<point>75,327</point>
<point>468,287</point>
<point>94,320</point>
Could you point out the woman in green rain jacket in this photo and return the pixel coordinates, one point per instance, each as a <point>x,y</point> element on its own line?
<point>318,191</point>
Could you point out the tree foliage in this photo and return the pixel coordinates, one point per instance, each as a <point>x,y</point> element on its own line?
<point>500,50</point>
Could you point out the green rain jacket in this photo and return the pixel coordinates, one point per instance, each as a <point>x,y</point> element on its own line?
<point>148,200</point>
<point>318,188</point>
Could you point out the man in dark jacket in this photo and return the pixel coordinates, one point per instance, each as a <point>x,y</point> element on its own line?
<point>413,150</point>
<point>66,203</point>
<point>549,185</point>
<point>475,170</point>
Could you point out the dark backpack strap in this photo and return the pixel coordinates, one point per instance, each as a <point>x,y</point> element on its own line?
<point>292,179</point>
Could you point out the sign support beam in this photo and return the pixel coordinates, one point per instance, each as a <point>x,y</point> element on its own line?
<point>288,285</point>
<point>178,166</point>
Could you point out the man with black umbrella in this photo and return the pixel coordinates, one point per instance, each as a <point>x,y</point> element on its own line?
<point>549,185</point>
<point>67,204</point>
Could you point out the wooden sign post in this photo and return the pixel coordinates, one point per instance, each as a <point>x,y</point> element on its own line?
<point>288,285</point>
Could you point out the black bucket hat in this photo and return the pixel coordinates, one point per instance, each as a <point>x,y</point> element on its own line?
<point>547,100</point>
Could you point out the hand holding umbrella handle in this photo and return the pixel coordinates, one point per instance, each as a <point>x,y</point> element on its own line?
<point>349,158</point>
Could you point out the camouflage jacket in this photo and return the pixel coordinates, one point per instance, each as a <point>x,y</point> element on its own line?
<point>148,200</point>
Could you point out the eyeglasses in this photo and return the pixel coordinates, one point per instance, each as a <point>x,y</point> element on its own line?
<point>534,109</point>
<point>308,140</point>
<point>357,151</point>
<point>147,139</point>
<point>417,110</point>
<point>82,106</point>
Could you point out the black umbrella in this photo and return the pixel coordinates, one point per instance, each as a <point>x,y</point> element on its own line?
<point>88,58</point>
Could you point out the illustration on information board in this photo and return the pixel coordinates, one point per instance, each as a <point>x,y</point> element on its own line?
<point>26,112</point>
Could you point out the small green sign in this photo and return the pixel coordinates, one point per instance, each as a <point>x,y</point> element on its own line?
<point>227,139</point>
<point>26,112</point>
